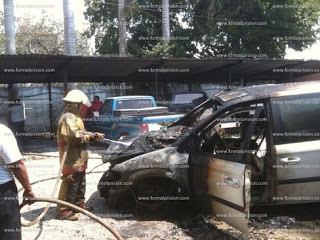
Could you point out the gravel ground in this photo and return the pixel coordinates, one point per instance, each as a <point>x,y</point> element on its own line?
<point>299,225</point>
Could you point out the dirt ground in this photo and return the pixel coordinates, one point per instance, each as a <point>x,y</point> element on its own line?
<point>293,222</point>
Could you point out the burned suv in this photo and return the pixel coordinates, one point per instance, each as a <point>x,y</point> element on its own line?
<point>249,146</point>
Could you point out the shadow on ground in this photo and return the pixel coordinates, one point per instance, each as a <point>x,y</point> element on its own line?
<point>41,146</point>
<point>186,222</point>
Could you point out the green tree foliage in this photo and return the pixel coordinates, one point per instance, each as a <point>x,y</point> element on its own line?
<point>2,38</point>
<point>143,27</point>
<point>208,28</point>
<point>272,26</point>
<point>43,36</point>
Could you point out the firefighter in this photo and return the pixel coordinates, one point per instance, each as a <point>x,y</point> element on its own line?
<point>74,143</point>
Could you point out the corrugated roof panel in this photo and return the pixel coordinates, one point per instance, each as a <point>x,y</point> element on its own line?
<point>98,69</point>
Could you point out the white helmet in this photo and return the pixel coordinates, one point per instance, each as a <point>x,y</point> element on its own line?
<point>77,96</point>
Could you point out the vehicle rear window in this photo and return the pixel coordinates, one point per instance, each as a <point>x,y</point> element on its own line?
<point>107,107</point>
<point>187,98</point>
<point>296,118</point>
<point>134,104</point>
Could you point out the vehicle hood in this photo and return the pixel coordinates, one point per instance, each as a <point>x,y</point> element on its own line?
<point>167,162</point>
<point>143,143</point>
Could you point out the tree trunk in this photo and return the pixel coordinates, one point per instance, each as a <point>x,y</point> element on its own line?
<point>69,28</point>
<point>122,27</point>
<point>122,37</point>
<point>165,25</point>
<point>10,40</point>
<point>10,35</point>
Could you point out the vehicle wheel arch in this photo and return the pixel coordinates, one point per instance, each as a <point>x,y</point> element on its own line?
<point>151,173</point>
<point>159,186</point>
<point>160,174</point>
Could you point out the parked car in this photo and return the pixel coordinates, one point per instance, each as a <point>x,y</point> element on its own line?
<point>128,116</point>
<point>183,102</point>
<point>250,146</point>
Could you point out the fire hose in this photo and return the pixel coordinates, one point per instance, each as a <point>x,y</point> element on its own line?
<point>72,206</point>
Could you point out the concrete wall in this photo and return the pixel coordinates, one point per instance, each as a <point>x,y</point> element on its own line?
<point>36,101</point>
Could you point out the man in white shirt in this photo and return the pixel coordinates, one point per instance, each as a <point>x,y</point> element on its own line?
<point>11,163</point>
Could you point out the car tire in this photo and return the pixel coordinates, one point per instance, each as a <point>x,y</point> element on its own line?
<point>150,197</point>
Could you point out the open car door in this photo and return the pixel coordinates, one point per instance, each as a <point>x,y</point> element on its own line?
<point>220,174</point>
<point>222,188</point>
<point>229,192</point>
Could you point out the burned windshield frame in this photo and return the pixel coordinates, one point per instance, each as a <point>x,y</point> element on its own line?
<point>185,144</point>
<point>189,142</point>
<point>190,119</point>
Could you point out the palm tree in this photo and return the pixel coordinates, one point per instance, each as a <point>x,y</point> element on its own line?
<point>10,39</point>
<point>122,27</point>
<point>122,36</point>
<point>165,25</point>
<point>69,28</point>
<point>10,34</point>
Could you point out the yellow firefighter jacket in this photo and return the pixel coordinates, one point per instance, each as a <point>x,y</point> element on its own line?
<point>69,139</point>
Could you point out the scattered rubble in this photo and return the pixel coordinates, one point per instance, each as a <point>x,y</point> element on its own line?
<point>278,221</point>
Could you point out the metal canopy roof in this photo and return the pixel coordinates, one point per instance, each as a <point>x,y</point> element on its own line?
<point>270,90</point>
<point>105,69</point>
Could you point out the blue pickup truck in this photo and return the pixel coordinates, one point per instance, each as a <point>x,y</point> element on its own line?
<point>129,116</point>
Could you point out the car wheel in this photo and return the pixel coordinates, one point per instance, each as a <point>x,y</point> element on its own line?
<point>157,197</point>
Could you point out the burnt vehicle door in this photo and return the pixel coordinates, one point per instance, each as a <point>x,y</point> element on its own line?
<point>221,166</point>
<point>297,147</point>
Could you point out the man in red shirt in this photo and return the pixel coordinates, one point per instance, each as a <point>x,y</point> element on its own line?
<point>96,105</point>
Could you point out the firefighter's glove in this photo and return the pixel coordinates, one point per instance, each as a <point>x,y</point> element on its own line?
<point>97,136</point>
<point>87,138</point>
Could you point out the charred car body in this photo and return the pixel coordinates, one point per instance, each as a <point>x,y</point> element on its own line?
<point>250,146</point>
